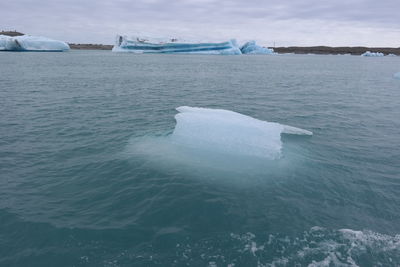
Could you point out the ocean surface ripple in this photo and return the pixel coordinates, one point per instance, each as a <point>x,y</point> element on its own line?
<point>86,178</point>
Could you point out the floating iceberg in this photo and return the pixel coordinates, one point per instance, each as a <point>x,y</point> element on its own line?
<point>208,142</point>
<point>31,43</point>
<point>372,54</point>
<point>397,75</point>
<point>173,46</point>
<point>228,132</point>
<point>391,55</point>
<point>252,48</point>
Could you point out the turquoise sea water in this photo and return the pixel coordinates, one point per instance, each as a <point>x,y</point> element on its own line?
<point>86,181</point>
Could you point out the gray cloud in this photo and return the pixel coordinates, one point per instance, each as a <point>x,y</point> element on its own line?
<point>296,22</point>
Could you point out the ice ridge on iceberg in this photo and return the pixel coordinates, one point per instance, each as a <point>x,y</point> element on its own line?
<point>229,132</point>
<point>31,43</point>
<point>174,46</point>
<point>372,54</point>
<point>252,48</point>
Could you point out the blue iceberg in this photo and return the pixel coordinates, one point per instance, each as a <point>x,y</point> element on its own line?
<point>174,46</point>
<point>252,48</point>
<point>31,43</point>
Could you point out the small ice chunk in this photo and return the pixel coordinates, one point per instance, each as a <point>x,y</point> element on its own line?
<point>229,132</point>
<point>294,130</point>
<point>252,48</point>
<point>372,54</point>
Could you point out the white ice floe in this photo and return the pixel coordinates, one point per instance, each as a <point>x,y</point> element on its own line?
<point>372,54</point>
<point>229,132</point>
<point>31,43</point>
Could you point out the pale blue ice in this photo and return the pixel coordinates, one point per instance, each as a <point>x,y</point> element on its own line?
<point>31,43</point>
<point>229,132</point>
<point>252,48</point>
<point>372,54</point>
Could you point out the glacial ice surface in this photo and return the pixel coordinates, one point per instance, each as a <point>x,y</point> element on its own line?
<point>174,46</point>
<point>372,54</point>
<point>229,132</point>
<point>31,43</point>
<point>252,48</point>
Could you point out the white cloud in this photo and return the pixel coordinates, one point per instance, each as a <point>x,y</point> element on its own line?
<point>307,22</point>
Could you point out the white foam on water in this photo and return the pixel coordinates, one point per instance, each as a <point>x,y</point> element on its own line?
<point>317,247</point>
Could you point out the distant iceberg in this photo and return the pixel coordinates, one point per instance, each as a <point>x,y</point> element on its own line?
<point>31,43</point>
<point>252,48</point>
<point>174,46</point>
<point>391,55</point>
<point>372,54</point>
<point>228,132</point>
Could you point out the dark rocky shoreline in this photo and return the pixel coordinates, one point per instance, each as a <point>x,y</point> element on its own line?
<point>90,46</point>
<point>11,33</point>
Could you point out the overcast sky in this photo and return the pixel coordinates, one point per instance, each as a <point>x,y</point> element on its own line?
<point>295,22</point>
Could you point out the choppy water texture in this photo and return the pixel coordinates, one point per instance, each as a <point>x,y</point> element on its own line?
<point>87,180</point>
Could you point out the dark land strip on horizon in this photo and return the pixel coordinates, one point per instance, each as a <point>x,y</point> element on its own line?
<point>321,50</point>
